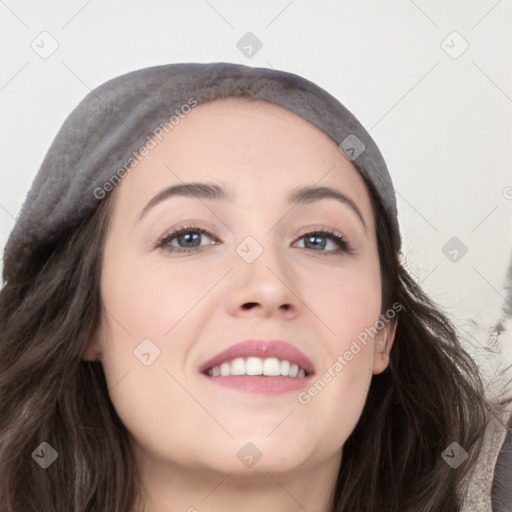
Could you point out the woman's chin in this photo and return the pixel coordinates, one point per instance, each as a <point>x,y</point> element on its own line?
<point>251,461</point>
<point>278,454</point>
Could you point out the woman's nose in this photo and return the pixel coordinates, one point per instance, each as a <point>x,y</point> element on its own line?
<point>263,281</point>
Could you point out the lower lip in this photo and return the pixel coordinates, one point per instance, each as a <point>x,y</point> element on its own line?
<point>261,383</point>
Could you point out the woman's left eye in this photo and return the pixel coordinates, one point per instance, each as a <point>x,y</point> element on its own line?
<point>317,239</point>
<point>190,237</point>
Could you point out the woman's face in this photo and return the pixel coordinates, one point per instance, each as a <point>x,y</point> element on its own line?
<point>261,272</point>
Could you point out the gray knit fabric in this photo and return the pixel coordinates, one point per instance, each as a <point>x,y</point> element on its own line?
<point>477,488</point>
<point>115,120</point>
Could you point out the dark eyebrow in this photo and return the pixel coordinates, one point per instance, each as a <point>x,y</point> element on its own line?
<point>311,194</point>
<point>193,189</point>
<point>300,195</point>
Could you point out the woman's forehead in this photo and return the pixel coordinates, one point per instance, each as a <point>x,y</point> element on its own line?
<point>259,153</point>
<point>237,140</point>
<point>242,113</point>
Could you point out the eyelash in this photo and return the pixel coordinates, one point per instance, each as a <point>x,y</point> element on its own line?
<point>163,243</point>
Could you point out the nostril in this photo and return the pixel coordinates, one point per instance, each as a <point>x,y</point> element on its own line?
<point>249,305</point>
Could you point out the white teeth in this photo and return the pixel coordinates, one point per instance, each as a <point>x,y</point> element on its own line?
<point>254,366</point>
<point>225,369</point>
<point>238,366</point>
<point>270,366</point>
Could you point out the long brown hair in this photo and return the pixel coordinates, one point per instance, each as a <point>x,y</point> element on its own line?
<point>430,395</point>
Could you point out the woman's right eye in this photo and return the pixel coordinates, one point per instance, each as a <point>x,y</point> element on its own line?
<point>189,236</point>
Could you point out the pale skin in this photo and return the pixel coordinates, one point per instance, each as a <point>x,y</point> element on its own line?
<point>187,431</point>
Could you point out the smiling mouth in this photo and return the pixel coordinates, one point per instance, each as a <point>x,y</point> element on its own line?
<point>257,366</point>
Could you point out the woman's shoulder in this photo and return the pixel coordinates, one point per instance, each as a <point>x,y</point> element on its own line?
<point>490,481</point>
<point>502,484</point>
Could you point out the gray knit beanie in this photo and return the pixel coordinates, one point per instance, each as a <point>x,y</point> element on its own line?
<point>100,139</point>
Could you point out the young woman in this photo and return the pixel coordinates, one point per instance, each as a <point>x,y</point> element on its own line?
<point>204,308</point>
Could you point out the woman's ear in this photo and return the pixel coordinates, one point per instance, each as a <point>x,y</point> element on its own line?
<point>93,351</point>
<point>382,343</point>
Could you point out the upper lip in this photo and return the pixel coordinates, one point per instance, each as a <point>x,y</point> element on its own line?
<point>261,348</point>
